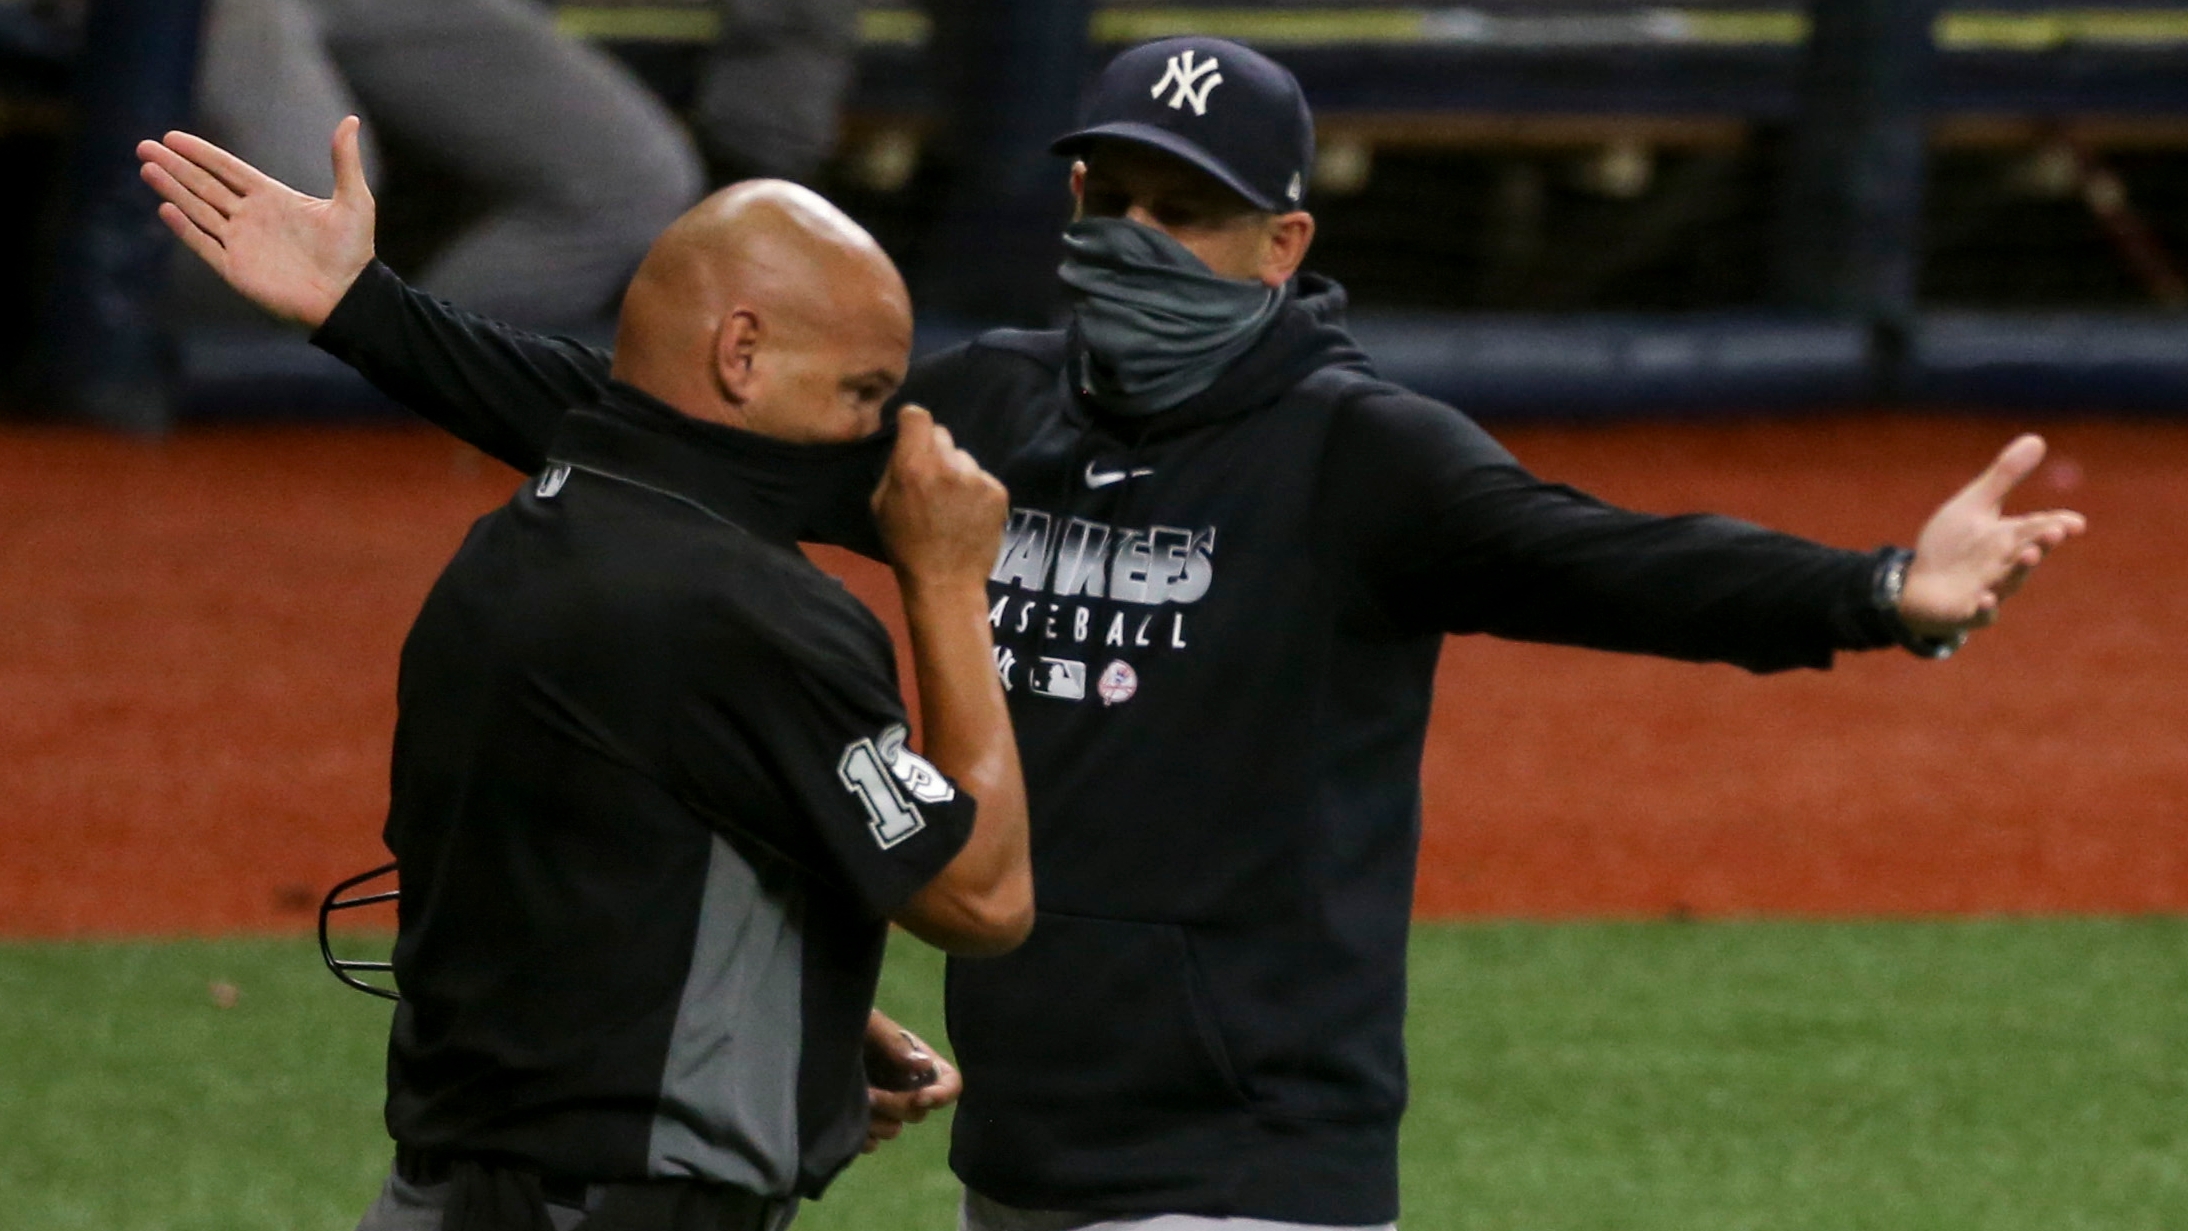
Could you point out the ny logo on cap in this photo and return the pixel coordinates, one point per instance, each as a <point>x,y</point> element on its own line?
<point>1193,82</point>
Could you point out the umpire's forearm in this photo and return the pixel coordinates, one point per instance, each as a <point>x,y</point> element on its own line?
<point>982,902</point>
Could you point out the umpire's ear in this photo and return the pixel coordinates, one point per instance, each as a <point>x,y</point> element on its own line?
<point>736,349</point>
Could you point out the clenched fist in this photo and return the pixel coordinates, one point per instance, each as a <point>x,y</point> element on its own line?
<point>941,515</point>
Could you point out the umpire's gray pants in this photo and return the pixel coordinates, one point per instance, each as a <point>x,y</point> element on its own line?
<point>978,1213</point>
<point>404,1206</point>
<point>582,164</point>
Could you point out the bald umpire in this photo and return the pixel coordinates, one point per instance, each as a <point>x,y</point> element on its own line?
<point>653,798</point>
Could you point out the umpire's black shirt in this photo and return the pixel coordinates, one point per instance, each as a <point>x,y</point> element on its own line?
<point>1218,628</point>
<point>652,805</point>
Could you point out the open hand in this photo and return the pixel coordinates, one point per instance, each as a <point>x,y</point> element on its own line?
<point>905,1080</point>
<point>1971,556</point>
<point>288,252</point>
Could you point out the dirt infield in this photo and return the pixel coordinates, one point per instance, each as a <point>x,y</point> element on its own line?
<point>198,639</point>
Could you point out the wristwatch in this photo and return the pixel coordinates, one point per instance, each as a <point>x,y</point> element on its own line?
<point>1891,580</point>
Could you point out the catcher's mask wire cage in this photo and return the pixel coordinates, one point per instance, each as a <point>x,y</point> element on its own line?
<point>347,969</point>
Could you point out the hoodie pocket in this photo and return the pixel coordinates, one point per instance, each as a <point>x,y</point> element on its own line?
<point>1092,1013</point>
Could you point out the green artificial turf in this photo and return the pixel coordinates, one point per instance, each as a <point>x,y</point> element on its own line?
<point>1704,1077</point>
<point>1788,1076</point>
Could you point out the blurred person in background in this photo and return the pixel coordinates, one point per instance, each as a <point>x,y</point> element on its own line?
<point>34,27</point>
<point>771,91</point>
<point>578,165</point>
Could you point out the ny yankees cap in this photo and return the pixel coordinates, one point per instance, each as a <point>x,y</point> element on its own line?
<point>1224,108</point>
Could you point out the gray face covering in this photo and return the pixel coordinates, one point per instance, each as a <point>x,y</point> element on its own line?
<point>1157,325</point>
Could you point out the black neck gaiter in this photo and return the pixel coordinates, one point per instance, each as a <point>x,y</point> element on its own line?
<point>1157,326</point>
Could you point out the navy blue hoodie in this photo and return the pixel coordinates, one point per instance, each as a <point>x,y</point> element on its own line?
<point>1219,628</point>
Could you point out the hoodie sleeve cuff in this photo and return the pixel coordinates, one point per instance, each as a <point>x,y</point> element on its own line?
<point>371,301</point>
<point>1868,611</point>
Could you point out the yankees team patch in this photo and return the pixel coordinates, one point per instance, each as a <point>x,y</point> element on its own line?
<point>1118,684</point>
<point>1193,82</point>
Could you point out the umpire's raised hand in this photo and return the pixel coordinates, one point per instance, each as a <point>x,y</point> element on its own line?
<point>941,515</point>
<point>290,253</point>
<point>941,518</point>
<point>1971,556</point>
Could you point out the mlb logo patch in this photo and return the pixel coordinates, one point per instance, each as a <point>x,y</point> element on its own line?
<point>1061,678</point>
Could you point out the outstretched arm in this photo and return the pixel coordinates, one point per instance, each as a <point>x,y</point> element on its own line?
<point>1454,534</point>
<point>310,261</point>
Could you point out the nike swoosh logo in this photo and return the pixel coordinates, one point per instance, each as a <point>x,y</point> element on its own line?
<point>1097,479</point>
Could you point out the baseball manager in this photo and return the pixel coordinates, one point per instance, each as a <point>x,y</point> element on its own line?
<point>1232,557</point>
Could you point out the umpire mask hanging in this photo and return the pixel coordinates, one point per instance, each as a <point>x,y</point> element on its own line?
<point>1155,325</point>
